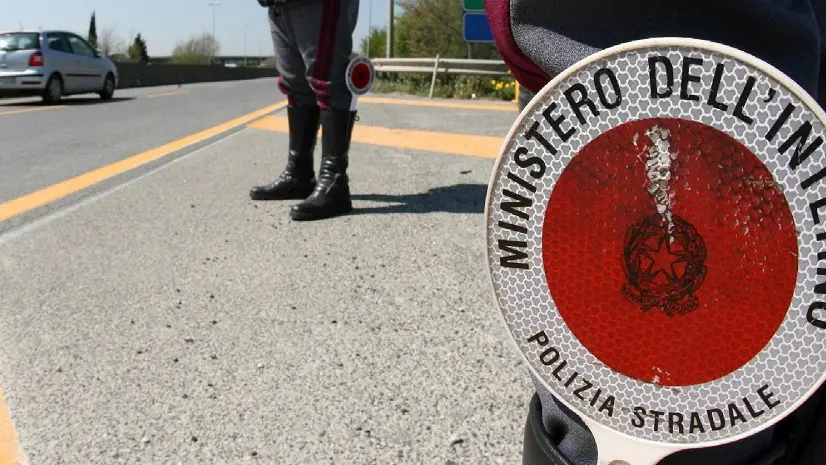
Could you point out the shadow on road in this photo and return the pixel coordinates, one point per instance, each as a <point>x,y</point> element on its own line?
<point>459,198</point>
<point>70,101</point>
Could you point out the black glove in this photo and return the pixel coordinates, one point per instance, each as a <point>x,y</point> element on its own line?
<point>266,3</point>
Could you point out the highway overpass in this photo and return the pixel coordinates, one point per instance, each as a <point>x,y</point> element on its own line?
<point>223,60</point>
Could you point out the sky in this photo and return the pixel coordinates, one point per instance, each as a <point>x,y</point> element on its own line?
<point>163,23</point>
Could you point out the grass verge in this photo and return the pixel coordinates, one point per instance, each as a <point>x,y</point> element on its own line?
<point>447,86</point>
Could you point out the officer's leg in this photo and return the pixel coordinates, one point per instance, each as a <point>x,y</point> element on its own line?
<point>298,178</point>
<point>324,31</point>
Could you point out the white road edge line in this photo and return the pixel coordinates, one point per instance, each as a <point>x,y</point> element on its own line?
<point>15,233</point>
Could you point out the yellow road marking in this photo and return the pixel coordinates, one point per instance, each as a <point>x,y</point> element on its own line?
<point>164,94</point>
<point>62,189</point>
<point>10,451</point>
<point>29,110</point>
<point>439,104</point>
<point>442,142</point>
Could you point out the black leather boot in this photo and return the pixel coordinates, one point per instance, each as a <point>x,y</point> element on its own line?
<point>331,195</point>
<point>297,180</point>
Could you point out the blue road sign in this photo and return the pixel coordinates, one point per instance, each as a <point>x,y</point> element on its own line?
<point>475,28</point>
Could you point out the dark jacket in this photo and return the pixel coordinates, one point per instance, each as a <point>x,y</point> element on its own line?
<point>540,38</point>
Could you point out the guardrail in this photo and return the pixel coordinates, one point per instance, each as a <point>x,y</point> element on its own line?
<point>138,75</point>
<point>436,66</point>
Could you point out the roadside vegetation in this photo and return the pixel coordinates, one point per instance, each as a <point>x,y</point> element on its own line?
<point>447,86</point>
<point>422,29</point>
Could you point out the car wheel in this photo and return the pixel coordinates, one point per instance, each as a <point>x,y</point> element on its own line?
<point>54,90</point>
<point>108,88</point>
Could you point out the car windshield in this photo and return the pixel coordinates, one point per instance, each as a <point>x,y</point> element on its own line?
<point>10,42</point>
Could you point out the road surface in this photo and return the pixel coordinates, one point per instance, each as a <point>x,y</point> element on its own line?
<point>152,313</point>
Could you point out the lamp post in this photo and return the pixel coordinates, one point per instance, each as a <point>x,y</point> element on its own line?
<point>369,27</point>
<point>246,25</point>
<point>213,5</point>
<point>389,51</point>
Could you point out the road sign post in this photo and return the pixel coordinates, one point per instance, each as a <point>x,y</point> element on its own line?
<point>475,26</point>
<point>476,29</point>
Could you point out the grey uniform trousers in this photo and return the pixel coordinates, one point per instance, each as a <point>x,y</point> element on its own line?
<point>313,40</point>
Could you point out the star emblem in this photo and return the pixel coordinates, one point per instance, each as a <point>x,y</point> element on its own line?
<point>663,258</point>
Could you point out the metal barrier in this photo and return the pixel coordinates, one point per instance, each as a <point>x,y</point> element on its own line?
<point>436,66</point>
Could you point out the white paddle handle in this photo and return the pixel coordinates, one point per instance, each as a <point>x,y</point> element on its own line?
<point>615,449</point>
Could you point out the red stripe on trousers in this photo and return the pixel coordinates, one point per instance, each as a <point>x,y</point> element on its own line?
<point>286,91</point>
<point>326,50</point>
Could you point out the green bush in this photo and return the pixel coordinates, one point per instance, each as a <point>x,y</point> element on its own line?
<point>447,86</point>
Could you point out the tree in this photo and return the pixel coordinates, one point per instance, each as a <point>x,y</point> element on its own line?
<point>110,43</point>
<point>374,44</point>
<point>378,43</point>
<point>137,51</point>
<point>93,31</point>
<point>197,50</point>
<point>426,28</point>
<point>430,27</point>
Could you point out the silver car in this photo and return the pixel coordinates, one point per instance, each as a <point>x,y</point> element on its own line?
<point>53,64</point>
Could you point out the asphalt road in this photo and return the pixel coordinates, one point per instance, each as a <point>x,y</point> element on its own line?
<point>169,319</point>
<point>43,145</point>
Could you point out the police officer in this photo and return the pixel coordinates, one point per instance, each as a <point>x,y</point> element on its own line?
<point>313,40</point>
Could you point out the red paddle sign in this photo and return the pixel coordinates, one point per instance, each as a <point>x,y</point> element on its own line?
<point>655,242</point>
<point>360,75</point>
<point>704,250</point>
